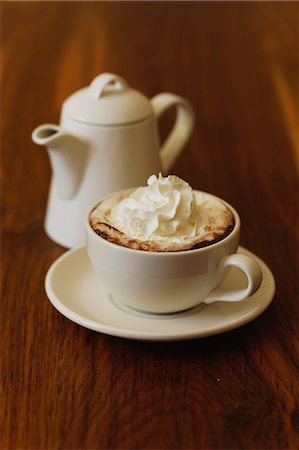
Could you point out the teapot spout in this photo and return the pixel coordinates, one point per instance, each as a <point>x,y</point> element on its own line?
<point>46,134</point>
<point>67,154</point>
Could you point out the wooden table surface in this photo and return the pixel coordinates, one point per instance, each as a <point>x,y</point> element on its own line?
<point>66,387</point>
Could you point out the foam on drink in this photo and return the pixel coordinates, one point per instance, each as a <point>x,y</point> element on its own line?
<point>166,215</point>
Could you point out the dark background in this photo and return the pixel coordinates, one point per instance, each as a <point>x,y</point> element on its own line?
<point>67,387</point>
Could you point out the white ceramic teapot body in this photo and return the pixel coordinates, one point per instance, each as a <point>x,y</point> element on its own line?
<point>107,140</point>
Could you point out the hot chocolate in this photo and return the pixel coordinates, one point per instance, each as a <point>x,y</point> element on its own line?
<point>165,216</point>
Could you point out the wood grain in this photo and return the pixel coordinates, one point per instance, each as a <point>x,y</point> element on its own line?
<point>65,387</point>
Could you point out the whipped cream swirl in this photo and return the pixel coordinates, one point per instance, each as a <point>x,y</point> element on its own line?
<point>165,210</point>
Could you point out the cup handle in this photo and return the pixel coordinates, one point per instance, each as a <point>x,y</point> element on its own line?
<point>252,271</point>
<point>181,130</point>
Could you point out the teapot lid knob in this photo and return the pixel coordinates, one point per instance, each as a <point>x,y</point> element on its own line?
<point>101,82</point>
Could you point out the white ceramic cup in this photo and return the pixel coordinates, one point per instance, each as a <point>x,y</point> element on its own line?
<point>168,282</point>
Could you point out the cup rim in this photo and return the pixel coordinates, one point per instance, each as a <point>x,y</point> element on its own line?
<point>166,254</point>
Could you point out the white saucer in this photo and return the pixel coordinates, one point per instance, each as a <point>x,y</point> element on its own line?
<point>75,291</point>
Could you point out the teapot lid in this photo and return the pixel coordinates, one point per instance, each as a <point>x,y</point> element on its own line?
<point>108,100</point>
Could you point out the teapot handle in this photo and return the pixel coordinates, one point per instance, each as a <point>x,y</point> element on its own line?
<point>181,130</point>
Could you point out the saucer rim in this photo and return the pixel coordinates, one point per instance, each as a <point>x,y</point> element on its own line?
<point>159,336</point>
